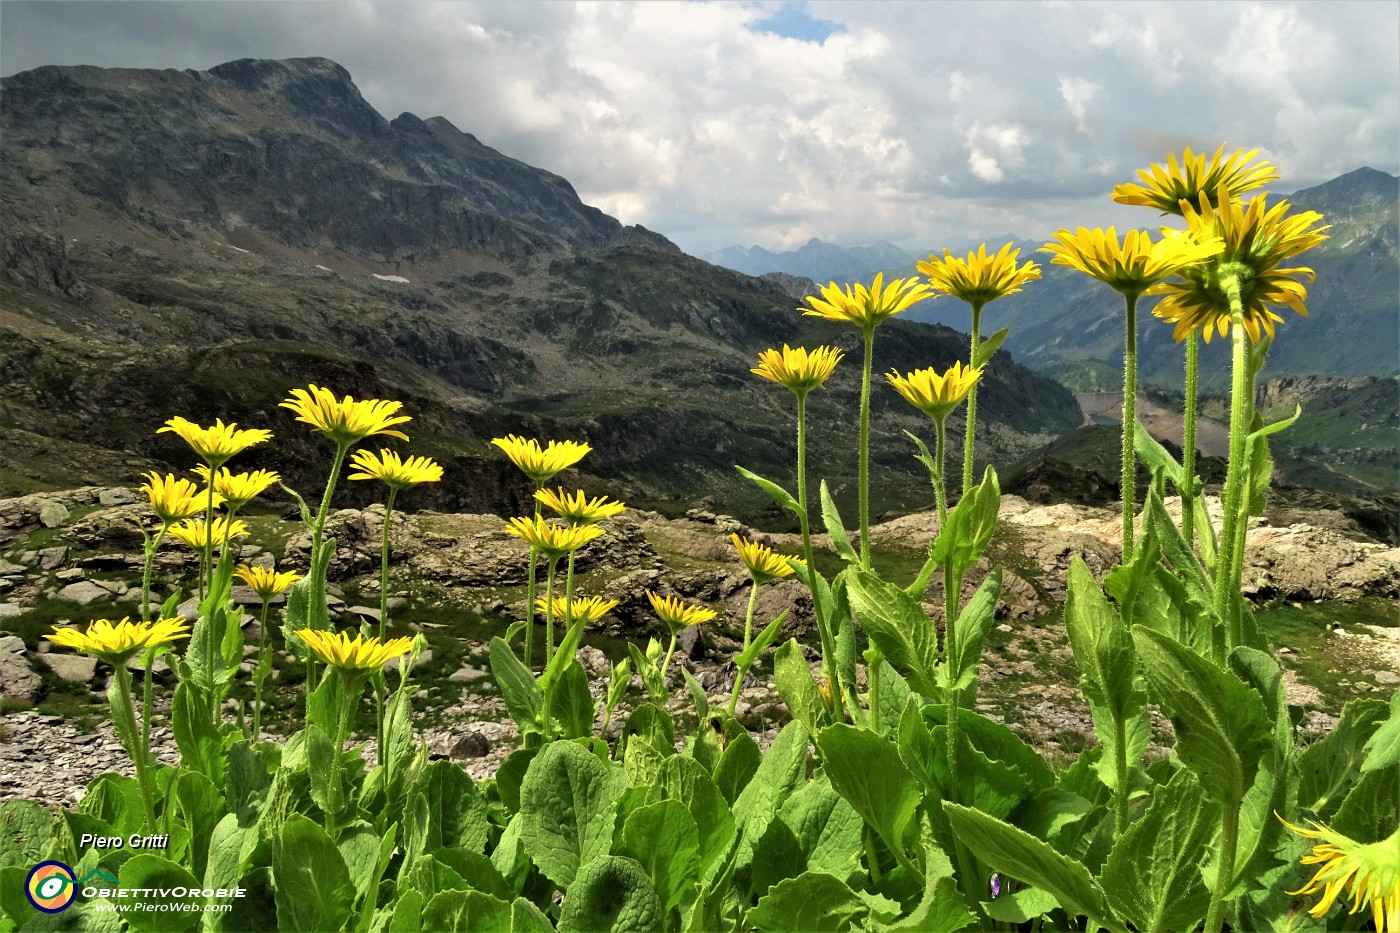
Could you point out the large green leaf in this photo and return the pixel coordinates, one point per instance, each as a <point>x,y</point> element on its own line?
<point>478,912</point>
<point>314,892</point>
<point>1371,811</point>
<point>782,770</point>
<point>1178,552</point>
<point>825,827</point>
<point>686,780</point>
<point>737,765</point>
<point>814,901</point>
<point>941,907</point>
<point>663,838</point>
<point>1153,876</point>
<point>146,871</point>
<point>896,624</point>
<point>524,699</point>
<point>1330,765</point>
<point>777,493</point>
<point>201,806</point>
<point>793,678</point>
<point>1026,858</point>
<point>1274,788</point>
<point>831,518</point>
<point>970,526</point>
<point>573,707</point>
<point>200,744</point>
<point>1383,747</point>
<point>25,831</point>
<point>567,810</point>
<point>612,894</point>
<point>866,770</point>
<point>1221,729</point>
<point>959,671</point>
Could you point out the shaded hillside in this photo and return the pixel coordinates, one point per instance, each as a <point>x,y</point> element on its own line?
<point>197,243</point>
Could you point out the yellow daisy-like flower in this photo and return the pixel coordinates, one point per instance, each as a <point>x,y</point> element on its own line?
<point>979,278</point>
<point>554,541</point>
<point>345,421</point>
<point>394,471</point>
<point>577,509</point>
<point>174,498</point>
<point>238,489</point>
<point>797,368</point>
<point>1135,265</point>
<point>265,581</point>
<point>540,464</point>
<point>216,443</point>
<point>354,656</point>
<point>867,307</point>
<point>1256,238</point>
<point>678,614</point>
<point>1166,187</point>
<point>117,642</point>
<point>589,609</point>
<point>935,395</point>
<point>763,562</point>
<point>1367,872</point>
<point>191,531</point>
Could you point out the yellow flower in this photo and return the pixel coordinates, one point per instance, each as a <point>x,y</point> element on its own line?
<point>1256,239</point>
<point>798,369</point>
<point>173,498</point>
<point>359,655</point>
<point>541,464</point>
<point>1135,265</point>
<point>979,278</point>
<point>217,443</point>
<point>238,489</point>
<point>577,509</point>
<point>345,421</point>
<point>1367,872</point>
<point>867,307</point>
<point>554,541</point>
<point>117,642</point>
<point>763,562</point>
<point>933,394</point>
<point>1165,188</point>
<point>191,531</point>
<point>677,614</point>
<point>265,581</point>
<point>396,472</point>
<point>589,609</point>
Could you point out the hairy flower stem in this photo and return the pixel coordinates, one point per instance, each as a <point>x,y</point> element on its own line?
<point>1225,870</point>
<point>318,528</point>
<point>748,638</point>
<point>1128,482</point>
<point>969,441</point>
<point>206,551</point>
<point>350,687</point>
<point>383,615</point>
<point>864,478</point>
<point>952,590</point>
<point>152,543</point>
<point>140,755</point>
<point>258,681</point>
<point>828,639</point>
<point>1188,445</point>
<point>530,587</point>
<point>939,478</point>
<point>549,611</point>
<point>670,649</point>
<point>147,690</point>
<point>1226,634</point>
<point>1120,768</point>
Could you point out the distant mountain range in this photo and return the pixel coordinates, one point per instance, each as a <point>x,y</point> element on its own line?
<point>199,242</point>
<point>1071,326</point>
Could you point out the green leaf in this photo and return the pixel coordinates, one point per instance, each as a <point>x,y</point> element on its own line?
<point>831,518</point>
<point>1153,875</point>
<point>566,810</point>
<point>564,655</point>
<point>314,892</point>
<point>813,901</point>
<point>1330,765</point>
<point>511,774</point>
<point>686,780</point>
<point>989,346</point>
<point>970,526</point>
<point>456,811</point>
<point>612,894</point>
<point>573,706</point>
<point>619,677</point>
<point>153,871</point>
<point>942,907</point>
<point>200,744</point>
<point>1180,554</point>
<point>935,469</point>
<point>697,693</point>
<point>776,492</point>
<point>26,829</point>
<point>782,770</point>
<point>1021,906</point>
<point>896,623</point>
<point>826,828</point>
<point>358,845</point>
<point>1370,811</point>
<point>866,770</point>
<point>201,806</point>
<point>665,841</point>
<point>1383,747</point>
<point>651,675</point>
<point>737,765</point>
<point>1221,730</point>
<point>473,912</point>
<point>524,699</point>
<point>973,624</point>
<point>793,678</point>
<point>1273,789</point>
<point>760,643</point>
<point>1022,856</point>
<point>893,700</point>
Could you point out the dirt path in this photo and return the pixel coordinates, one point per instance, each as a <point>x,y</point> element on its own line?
<point>1212,439</point>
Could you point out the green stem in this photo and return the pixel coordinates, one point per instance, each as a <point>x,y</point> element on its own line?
<point>873,660</point>
<point>666,665</point>
<point>748,638</point>
<point>147,691</point>
<point>939,482</point>
<point>383,616</point>
<point>350,688</point>
<point>1120,764</point>
<point>1225,871</point>
<point>151,545</point>
<point>969,440</point>
<point>864,479</point>
<point>1128,483</point>
<point>530,596</point>
<point>258,681</point>
<point>318,528</point>
<point>549,611</point>
<point>1225,635</point>
<point>207,550</point>
<point>1188,445</point>
<point>139,756</point>
<point>828,639</point>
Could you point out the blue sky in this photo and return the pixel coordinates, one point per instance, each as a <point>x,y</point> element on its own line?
<point>769,123</point>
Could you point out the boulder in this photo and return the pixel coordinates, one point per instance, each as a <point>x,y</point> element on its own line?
<point>74,668</point>
<point>17,680</point>
<point>84,592</point>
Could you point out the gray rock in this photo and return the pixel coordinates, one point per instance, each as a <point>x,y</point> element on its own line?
<point>7,568</point>
<point>692,643</point>
<point>466,674</point>
<point>10,610</point>
<point>471,745</point>
<point>1387,678</point>
<point>117,495</point>
<point>74,668</point>
<point>17,680</point>
<point>12,644</point>
<point>51,558</point>
<point>423,658</point>
<point>83,592</point>
<point>364,612</point>
<point>53,514</point>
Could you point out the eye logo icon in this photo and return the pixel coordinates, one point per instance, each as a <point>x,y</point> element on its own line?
<point>51,887</point>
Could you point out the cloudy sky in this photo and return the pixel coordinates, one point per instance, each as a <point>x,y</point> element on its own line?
<point>770,123</point>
